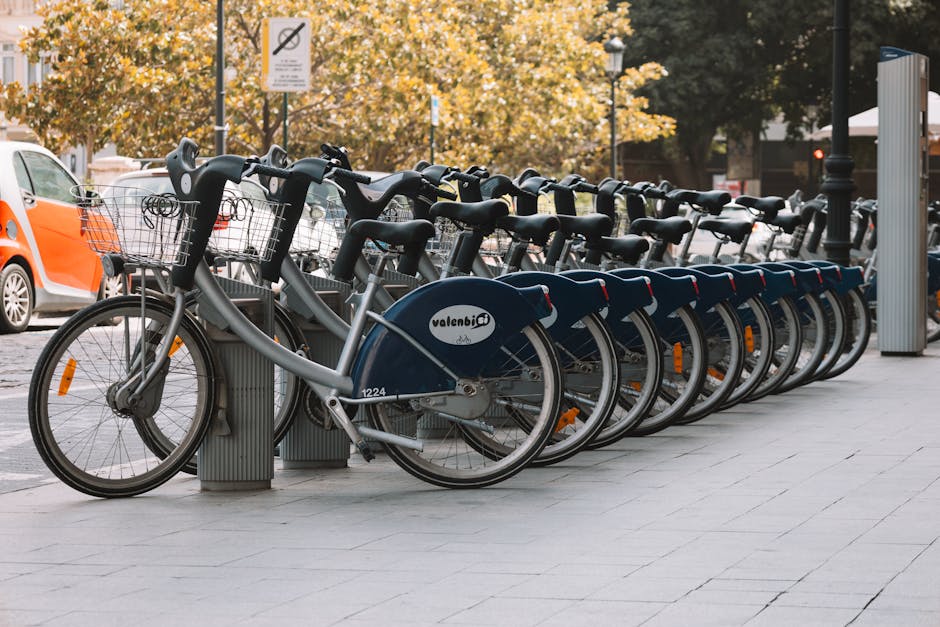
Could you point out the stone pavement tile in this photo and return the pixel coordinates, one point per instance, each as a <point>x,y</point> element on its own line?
<point>703,614</point>
<point>815,584</point>
<point>600,569</point>
<point>896,618</point>
<point>774,616</point>
<point>477,585</point>
<point>417,607</point>
<point>713,596</point>
<point>823,599</point>
<point>526,566</point>
<point>637,587</point>
<point>516,612</point>
<point>901,528</point>
<point>18,618</point>
<point>594,613</point>
<point>888,558</point>
<point>749,585</point>
<point>559,586</point>
<point>901,599</point>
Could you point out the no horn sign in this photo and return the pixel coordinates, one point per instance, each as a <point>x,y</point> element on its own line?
<point>285,45</point>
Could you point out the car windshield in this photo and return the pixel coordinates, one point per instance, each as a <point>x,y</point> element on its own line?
<point>153,184</point>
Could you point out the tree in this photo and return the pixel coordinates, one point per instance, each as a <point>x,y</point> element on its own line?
<point>735,65</point>
<point>511,96</point>
<point>114,74</point>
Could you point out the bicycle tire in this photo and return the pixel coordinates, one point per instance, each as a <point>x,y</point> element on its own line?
<point>684,357</point>
<point>815,336</point>
<point>837,323</point>
<point>288,388</point>
<point>759,341</point>
<point>788,341</point>
<point>933,316</point>
<point>591,381</point>
<point>641,375</point>
<point>858,335</point>
<point>462,457</point>
<point>724,348</point>
<point>86,443</point>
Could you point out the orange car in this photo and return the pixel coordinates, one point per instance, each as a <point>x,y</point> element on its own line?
<point>47,265</point>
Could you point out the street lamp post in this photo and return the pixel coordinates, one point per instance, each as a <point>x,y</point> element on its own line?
<point>219,80</point>
<point>839,185</point>
<point>614,48</point>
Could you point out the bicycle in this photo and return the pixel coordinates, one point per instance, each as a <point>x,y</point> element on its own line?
<point>461,363</point>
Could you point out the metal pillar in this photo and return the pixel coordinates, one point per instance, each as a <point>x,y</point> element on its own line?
<point>839,185</point>
<point>219,79</point>
<point>902,202</point>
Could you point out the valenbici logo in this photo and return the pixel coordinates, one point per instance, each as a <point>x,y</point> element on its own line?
<point>461,325</point>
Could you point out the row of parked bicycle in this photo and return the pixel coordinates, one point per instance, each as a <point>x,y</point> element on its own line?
<point>502,352</point>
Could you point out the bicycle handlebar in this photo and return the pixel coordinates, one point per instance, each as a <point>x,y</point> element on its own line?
<point>350,175</point>
<point>256,167</point>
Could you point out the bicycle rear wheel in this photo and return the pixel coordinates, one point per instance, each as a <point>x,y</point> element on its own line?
<point>591,380</point>
<point>759,339</point>
<point>88,443</point>
<point>837,322</point>
<point>858,332</point>
<point>525,390</point>
<point>724,341</point>
<point>641,375</point>
<point>815,343</point>
<point>683,347</point>
<point>785,353</point>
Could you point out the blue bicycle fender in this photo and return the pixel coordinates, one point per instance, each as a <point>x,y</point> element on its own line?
<point>748,280</point>
<point>626,295</point>
<point>831,273</point>
<point>807,279</point>
<point>933,273</point>
<point>779,283</point>
<point>669,293</point>
<point>571,300</point>
<point>712,288</point>
<point>462,321</point>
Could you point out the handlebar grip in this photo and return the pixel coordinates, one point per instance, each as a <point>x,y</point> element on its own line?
<point>446,195</point>
<point>267,170</point>
<point>462,176</point>
<point>352,176</point>
<point>584,186</point>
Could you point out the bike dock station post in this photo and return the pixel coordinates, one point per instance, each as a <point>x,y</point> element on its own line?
<point>312,442</point>
<point>238,453</point>
<point>902,202</point>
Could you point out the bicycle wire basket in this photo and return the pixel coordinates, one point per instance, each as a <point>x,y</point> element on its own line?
<point>143,227</point>
<point>246,228</point>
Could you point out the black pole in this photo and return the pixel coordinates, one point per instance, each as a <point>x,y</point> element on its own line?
<point>285,121</point>
<point>613,128</point>
<point>839,185</point>
<point>219,81</point>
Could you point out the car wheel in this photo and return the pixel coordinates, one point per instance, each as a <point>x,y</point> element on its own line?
<point>111,286</point>
<point>17,299</point>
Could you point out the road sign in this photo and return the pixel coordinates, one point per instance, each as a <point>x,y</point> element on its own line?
<point>285,54</point>
<point>435,111</point>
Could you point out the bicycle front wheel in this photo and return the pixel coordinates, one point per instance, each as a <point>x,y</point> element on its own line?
<point>525,390</point>
<point>858,333</point>
<point>82,436</point>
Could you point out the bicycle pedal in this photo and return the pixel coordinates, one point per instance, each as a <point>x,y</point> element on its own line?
<point>365,450</point>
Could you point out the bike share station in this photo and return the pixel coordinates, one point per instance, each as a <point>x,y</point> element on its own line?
<point>903,162</point>
<point>238,453</point>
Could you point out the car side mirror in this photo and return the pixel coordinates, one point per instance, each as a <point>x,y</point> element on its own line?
<point>29,199</point>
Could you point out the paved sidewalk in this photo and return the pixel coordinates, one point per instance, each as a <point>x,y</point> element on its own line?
<point>819,507</point>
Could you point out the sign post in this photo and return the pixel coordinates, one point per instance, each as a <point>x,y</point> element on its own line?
<point>285,58</point>
<point>435,119</point>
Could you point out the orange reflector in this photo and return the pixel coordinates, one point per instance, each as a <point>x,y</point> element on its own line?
<point>636,385</point>
<point>716,374</point>
<point>177,344</point>
<point>938,298</point>
<point>677,357</point>
<point>749,338</point>
<point>567,419</point>
<point>67,375</point>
